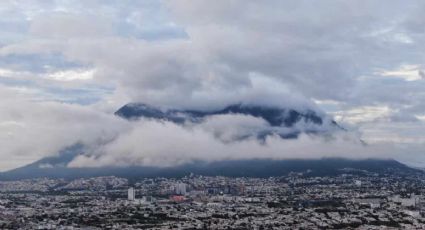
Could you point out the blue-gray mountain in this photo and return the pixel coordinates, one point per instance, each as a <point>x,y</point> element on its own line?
<point>56,166</point>
<point>275,116</point>
<point>294,121</point>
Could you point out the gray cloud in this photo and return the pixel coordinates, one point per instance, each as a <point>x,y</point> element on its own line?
<point>182,144</point>
<point>421,74</point>
<point>66,26</point>
<point>307,50</point>
<point>31,130</point>
<point>207,54</point>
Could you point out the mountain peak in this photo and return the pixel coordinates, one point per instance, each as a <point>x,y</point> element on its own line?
<point>285,122</point>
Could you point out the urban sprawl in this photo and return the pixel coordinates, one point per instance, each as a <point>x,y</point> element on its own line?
<point>351,200</point>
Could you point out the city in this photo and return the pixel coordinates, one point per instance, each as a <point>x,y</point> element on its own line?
<point>230,114</point>
<point>352,200</point>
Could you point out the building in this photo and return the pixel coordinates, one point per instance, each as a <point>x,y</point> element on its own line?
<point>358,182</point>
<point>180,189</point>
<point>177,198</point>
<point>131,194</point>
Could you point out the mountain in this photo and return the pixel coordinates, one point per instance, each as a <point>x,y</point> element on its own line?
<point>55,167</point>
<point>275,116</point>
<point>278,119</point>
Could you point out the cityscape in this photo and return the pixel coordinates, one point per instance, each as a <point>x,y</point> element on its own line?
<point>212,114</point>
<point>352,200</point>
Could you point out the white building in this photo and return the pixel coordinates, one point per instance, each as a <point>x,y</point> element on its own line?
<point>131,194</point>
<point>180,189</point>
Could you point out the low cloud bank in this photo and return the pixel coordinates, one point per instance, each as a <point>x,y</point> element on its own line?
<point>32,129</point>
<point>161,143</point>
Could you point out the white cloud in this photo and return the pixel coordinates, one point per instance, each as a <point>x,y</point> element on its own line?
<point>71,75</point>
<point>183,144</point>
<point>406,72</point>
<point>180,144</point>
<point>362,114</point>
<point>32,130</point>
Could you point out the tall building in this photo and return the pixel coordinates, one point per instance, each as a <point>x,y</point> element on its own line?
<point>131,194</point>
<point>180,189</point>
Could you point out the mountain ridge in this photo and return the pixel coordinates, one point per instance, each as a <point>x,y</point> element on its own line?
<point>231,168</point>
<point>311,122</point>
<point>273,115</point>
<point>57,166</point>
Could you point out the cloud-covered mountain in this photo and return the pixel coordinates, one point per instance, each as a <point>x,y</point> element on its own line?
<point>61,71</point>
<point>284,122</point>
<point>55,167</point>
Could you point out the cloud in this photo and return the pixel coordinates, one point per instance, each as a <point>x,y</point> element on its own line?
<point>31,130</point>
<point>305,48</point>
<point>407,72</point>
<point>421,74</point>
<point>67,26</point>
<point>362,62</point>
<point>304,53</point>
<point>34,129</point>
<point>71,75</point>
<point>182,144</point>
<point>232,127</point>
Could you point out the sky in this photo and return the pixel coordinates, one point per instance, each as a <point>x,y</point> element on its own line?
<point>67,65</point>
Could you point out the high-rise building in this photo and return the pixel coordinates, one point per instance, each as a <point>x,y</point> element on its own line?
<point>180,189</point>
<point>131,194</point>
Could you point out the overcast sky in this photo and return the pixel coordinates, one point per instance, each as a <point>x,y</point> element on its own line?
<point>66,66</point>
